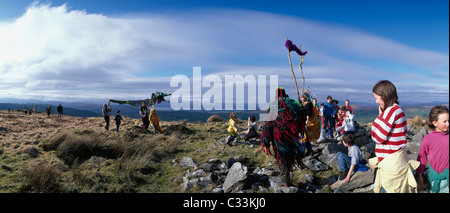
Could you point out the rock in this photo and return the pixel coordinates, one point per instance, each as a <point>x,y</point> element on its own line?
<point>236,178</point>
<point>196,173</point>
<point>270,171</point>
<point>230,162</point>
<point>307,178</point>
<point>332,148</point>
<point>209,179</point>
<point>413,147</point>
<point>314,164</point>
<point>329,160</point>
<point>367,189</point>
<point>360,132</point>
<point>214,161</point>
<point>368,151</point>
<point>187,162</point>
<point>218,190</point>
<point>206,167</point>
<point>361,141</point>
<point>263,189</point>
<point>419,136</point>
<point>357,180</point>
<point>279,187</point>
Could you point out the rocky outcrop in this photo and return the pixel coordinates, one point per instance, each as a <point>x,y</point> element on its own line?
<point>237,174</point>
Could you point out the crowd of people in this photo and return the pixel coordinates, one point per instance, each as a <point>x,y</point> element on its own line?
<point>148,117</point>
<point>290,135</point>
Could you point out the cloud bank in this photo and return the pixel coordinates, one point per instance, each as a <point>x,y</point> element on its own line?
<point>55,53</point>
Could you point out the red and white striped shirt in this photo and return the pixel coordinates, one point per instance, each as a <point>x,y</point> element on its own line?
<point>389,131</point>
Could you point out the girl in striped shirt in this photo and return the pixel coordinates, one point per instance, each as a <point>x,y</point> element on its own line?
<point>394,170</point>
<point>389,128</point>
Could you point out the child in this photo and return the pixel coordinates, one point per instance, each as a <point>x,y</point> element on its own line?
<point>348,107</point>
<point>340,119</point>
<point>252,128</point>
<point>353,162</point>
<point>232,128</point>
<point>394,169</point>
<point>389,128</point>
<point>347,126</point>
<point>118,118</point>
<point>154,121</point>
<point>435,147</point>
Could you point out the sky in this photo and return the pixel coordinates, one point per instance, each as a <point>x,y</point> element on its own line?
<point>96,50</point>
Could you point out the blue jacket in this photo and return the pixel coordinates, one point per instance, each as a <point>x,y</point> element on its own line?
<point>329,110</point>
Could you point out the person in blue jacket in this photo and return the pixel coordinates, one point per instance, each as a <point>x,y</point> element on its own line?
<point>329,112</point>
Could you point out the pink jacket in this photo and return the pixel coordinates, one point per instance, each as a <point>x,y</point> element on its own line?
<point>434,148</point>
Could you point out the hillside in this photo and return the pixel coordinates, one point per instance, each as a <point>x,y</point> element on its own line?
<point>41,154</point>
<point>75,154</point>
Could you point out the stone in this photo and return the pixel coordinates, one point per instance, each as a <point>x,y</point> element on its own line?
<point>413,147</point>
<point>419,136</point>
<point>279,187</point>
<point>236,178</point>
<point>361,141</point>
<point>196,173</point>
<point>332,148</point>
<point>329,160</point>
<point>218,190</point>
<point>207,167</point>
<point>230,162</point>
<point>214,161</point>
<point>314,164</point>
<point>187,162</point>
<point>357,180</point>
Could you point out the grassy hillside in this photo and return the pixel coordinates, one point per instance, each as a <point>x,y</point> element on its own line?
<point>41,154</point>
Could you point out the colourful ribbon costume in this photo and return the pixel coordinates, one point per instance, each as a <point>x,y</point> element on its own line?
<point>285,133</point>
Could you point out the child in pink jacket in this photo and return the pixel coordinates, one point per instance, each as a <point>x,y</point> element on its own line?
<point>434,149</point>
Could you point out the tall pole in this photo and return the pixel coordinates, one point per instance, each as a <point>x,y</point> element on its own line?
<point>293,74</point>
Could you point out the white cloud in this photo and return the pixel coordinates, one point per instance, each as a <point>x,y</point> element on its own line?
<point>54,53</point>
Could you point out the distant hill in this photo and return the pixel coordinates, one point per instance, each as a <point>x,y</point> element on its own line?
<point>363,114</point>
<point>42,107</point>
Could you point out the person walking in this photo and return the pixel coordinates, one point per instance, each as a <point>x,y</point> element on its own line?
<point>48,110</point>
<point>144,112</point>
<point>106,113</point>
<point>59,110</point>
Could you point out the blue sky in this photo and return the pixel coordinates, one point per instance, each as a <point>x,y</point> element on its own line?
<point>97,50</point>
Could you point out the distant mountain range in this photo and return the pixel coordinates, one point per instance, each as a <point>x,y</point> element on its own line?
<point>363,114</point>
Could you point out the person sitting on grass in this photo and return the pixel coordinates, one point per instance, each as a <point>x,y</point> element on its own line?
<point>252,128</point>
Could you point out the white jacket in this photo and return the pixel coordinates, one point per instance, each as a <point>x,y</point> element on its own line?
<point>348,124</point>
